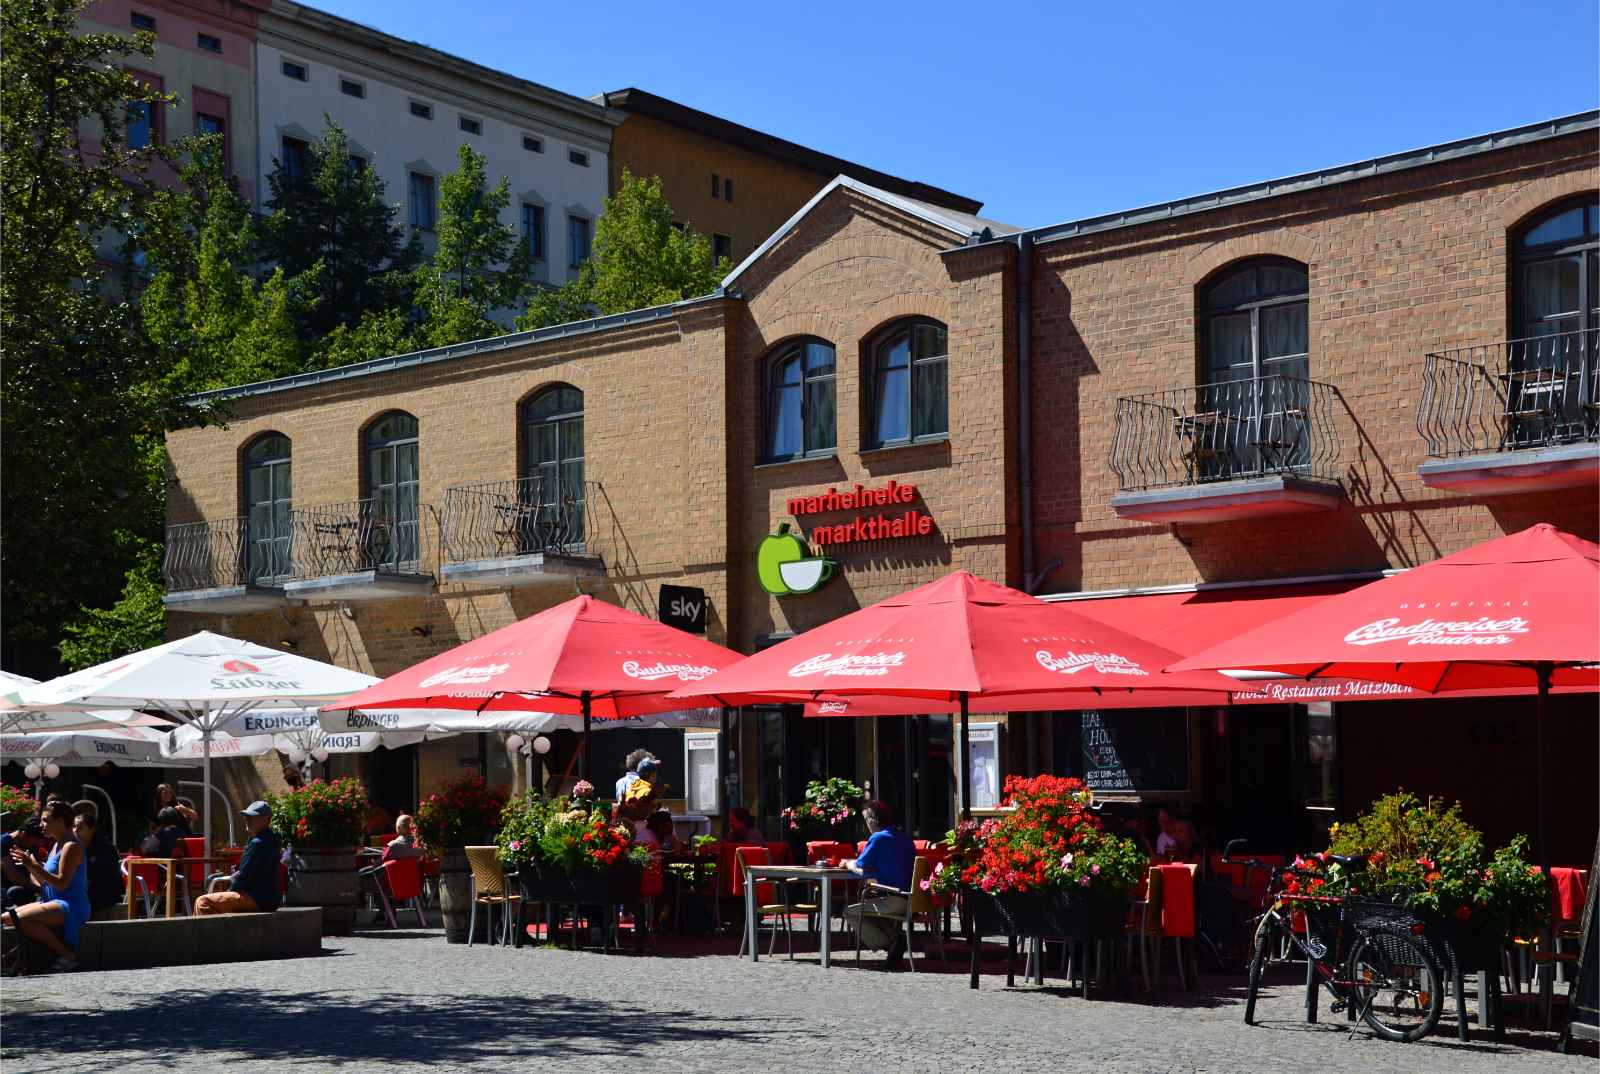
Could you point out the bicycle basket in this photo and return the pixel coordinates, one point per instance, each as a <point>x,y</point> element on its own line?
<point>1381,913</point>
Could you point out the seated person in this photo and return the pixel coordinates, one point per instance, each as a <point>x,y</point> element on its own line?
<point>639,800</point>
<point>404,843</point>
<point>162,842</point>
<point>742,827</point>
<point>188,818</point>
<point>1178,840</point>
<point>19,886</point>
<point>379,820</point>
<point>888,859</point>
<point>659,824</point>
<point>63,904</point>
<point>1136,829</point>
<point>106,886</point>
<point>253,886</point>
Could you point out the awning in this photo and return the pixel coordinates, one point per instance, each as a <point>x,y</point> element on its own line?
<point>1189,622</point>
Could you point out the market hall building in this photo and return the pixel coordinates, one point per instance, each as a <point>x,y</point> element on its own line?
<point>1185,419</point>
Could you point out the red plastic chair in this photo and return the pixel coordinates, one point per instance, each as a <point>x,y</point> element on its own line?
<point>780,853</point>
<point>816,851</point>
<point>401,889</point>
<point>146,881</point>
<point>195,875</point>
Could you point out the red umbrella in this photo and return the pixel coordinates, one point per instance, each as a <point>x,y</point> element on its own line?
<point>951,641</point>
<point>1519,610</point>
<point>582,657</point>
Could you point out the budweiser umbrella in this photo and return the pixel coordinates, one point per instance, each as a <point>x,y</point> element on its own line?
<point>949,642</point>
<point>583,657</point>
<point>1520,610</point>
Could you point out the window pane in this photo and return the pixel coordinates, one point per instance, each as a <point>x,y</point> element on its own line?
<point>406,459</point>
<point>893,405</point>
<point>141,130</point>
<point>1229,346</point>
<point>930,341</point>
<point>820,431</point>
<point>1283,331</point>
<point>1232,290</point>
<point>572,438</point>
<point>544,450</point>
<point>932,414</point>
<point>783,435</point>
<point>571,481</point>
<point>1278,279</point>
<point>819,359</point>
<point>895,353</point>
<point>1550,289</point>
<point>259,479</point>
<point>1559,228</point>
<point>280,482</point>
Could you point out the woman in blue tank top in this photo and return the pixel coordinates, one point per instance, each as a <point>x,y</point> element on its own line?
<point>64,903</point>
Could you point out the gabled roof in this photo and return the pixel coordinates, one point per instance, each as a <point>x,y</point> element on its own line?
<point>965,227</point>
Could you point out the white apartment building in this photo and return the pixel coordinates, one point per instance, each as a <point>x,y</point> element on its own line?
<point>407,109</point>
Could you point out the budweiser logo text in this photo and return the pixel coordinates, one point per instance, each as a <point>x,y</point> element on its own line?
<point>1480,631</point>
<point>1071,663</point>
<point>864,664</point>
<point>465,675</point>
<point>651,672</point>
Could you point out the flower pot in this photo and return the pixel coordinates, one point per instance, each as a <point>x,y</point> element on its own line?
<point>1075,915</point>
<point>455,898</point>
<point>607,887</point>
<point>325,877</point>
<point>1472,947</point>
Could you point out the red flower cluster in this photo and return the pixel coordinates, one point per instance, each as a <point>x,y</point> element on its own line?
<point>604,843</point>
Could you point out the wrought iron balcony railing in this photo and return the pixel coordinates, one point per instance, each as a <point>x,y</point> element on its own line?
<point>205,555</point>
<point>1511,396</point>
<point>1224,432</point>
<point>531,516</point>
<point>376,534</point>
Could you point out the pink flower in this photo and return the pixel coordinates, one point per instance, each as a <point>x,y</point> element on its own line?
<point>1084,882</point>
<point>1066,860</point>
<point>1095,869</point>
<point>582,789</point>
<point>925,885</point>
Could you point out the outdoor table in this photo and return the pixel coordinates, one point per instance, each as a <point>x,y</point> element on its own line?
<point>172,864</point>
<point>825,876</point>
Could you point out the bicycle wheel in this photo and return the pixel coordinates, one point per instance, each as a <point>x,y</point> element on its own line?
<point>1395,984</point>
<point>1266,935</point>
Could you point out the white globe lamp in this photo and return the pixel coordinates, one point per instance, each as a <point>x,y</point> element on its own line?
<point>541,745</point>
<point>31,770</point>
<point>319,755</point>
<point>52,770</point>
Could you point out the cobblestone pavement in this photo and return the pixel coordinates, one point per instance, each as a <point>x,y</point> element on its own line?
<point>408,1001</point>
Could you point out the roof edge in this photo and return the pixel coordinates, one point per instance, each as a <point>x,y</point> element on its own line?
<point>469,349</point>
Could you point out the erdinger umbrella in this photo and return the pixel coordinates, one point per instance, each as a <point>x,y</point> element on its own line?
<point>583,657</point>
<point>202,680</point>
<point>128,747</point>
<point>951,641</point>
<point>1521,610</point>
<point>254,734</point>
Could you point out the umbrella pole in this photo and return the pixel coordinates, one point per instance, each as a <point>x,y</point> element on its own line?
<point>722,770</point>
<point>1544,671</point>
<point>966,763</point>
<point>584,700</point>
<point>205,746</point>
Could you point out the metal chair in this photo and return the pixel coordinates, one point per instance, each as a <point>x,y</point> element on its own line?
<point>765,899</point>
<point>918,902</point>
<point>489,887</point>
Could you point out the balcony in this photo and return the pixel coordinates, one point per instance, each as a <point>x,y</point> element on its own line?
<point>362,550</point>
<point>1233,449</point>
<point>215,568</point>
<point>526,532</point>
<point>1517,416</point>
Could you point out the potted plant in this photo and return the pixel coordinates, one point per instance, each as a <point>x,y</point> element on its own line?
<point>566,850</point>
<point>828,811</point>
<point>464,812</point>
<point>322,823</point>
<point>16,804</point>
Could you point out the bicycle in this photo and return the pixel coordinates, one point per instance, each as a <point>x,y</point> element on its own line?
<point>1388,978</point>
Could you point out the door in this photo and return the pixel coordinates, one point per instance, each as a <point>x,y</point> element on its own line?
<point>393,527</point>
<point>269,496</point>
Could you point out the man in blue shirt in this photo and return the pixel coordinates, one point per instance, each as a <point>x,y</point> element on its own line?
<point>253,887</point>
<point>887,860</point>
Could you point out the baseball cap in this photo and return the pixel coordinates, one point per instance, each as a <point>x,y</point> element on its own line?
<point>647,766</point>
<point>257,808</point>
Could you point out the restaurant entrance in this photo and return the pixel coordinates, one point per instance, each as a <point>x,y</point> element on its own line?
<point>914,774</point>
<point>792,751</point>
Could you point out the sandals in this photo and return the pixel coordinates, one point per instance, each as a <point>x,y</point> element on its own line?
<point>65,964</point>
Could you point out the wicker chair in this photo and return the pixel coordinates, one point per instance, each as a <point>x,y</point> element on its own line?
<point>490,888</point>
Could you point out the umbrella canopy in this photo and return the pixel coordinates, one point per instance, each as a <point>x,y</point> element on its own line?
<point>437,721</point>
<point>1519,610</point>
<point>583,657</point>
<point>257,734</point>
<point>128,747</point>
<point>202,680</point>
<point>950,641</point>
<point>24,721</point>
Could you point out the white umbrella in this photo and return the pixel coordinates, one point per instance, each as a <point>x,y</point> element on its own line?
<point>254,734</point>
<point>130,747</point>
<point>23,721</point>
<point>201,680</point>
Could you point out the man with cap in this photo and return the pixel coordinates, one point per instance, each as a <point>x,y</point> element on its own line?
<point>639,799</point>
<point>253,886</point>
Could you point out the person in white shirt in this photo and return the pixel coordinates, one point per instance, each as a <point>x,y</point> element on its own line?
<point>632,773</point>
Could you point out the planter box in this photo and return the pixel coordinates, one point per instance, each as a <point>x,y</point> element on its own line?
<point>325,877</point>
<point>1077,916</point>
<point>608,888</point>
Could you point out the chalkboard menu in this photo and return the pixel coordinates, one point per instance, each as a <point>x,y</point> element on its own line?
<point>1135,751</point>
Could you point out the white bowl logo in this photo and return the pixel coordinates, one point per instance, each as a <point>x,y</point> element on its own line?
<point>465,675</point>
<point>1071,663</point>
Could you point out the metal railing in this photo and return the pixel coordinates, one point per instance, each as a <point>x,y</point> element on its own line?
<point>531,516</point>
<point>1512,395</point>
<point>206,555</point>
<point>1225,431</point>
<point>364,535</point>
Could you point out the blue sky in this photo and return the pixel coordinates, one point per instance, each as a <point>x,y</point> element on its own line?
<point>1059,111</point>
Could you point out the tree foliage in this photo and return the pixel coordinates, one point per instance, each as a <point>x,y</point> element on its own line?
<point>640,259</point>
<point>134,622</point>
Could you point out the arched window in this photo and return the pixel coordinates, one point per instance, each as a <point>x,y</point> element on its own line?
<point>1555,310</point>
<point>909,395</point>
<point>553,489</point>
<point>268,493</point>
<point>1254,322</point>
<point>392,521</point>
<point>800,417</point>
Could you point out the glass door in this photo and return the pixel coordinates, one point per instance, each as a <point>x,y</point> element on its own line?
<point>393,526</point>
<point>269,492</point>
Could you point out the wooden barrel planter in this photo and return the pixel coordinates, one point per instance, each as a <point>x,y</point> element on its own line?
<point>326,877</point>
<point>455,897</point>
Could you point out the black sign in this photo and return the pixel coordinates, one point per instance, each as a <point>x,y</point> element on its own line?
<point>1136,751</point>
<point>683,607</point>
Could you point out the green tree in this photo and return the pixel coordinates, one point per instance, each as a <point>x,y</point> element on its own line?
<point>334,214</point>
<point>136,621</point>
<point>460,286</point>
<point>640,259</point>
<point>81,383</point>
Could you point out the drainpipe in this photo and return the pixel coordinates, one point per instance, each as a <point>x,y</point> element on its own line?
<point>1025,401</point>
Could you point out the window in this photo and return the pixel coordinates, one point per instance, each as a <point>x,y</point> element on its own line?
<point>211,118</point>
<point>295,70</point>
<point>143,123</point>
<point>295,158</point>
<point>268,496</point>
<point>909,394</point>
<point>208,124</point>
<point>552,435</point>
<point>140,21</point>
<point>800,401</point>
<point>716,185</point>
<point>1254,322</point>
<point>727,190</point>
<point>356,164</point>
<point>532,144</point>
<point>577,241</point>
<point>533,229</point>
<point>422,201</point>
<point>421,111</point>
<point>721,248</point>
<point>351,88</point>
<point>470,125</point>
<point>1555,308</point>
<point>208,42</point>
<point>393,525</point>
<point>578,157</point>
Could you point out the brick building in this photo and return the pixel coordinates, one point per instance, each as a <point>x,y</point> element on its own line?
<point>1192,413</point>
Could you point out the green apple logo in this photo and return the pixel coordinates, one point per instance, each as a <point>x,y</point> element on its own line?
<point>785,565</point>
